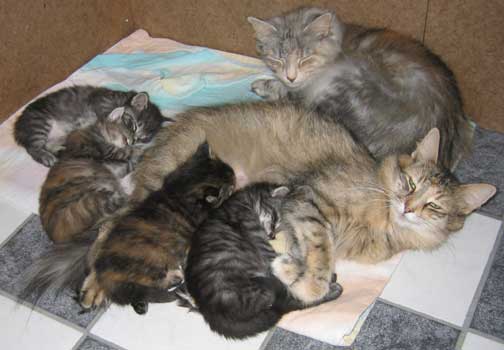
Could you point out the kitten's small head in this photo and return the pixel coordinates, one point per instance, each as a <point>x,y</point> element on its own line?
<point>426,198</point>
<point>115,131</point>
<point>268,201</point>
<point>143,117</point>
<point>299,43</point>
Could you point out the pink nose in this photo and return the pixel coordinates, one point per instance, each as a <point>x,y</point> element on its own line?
<point>291,79</point>
<point>408,210</point>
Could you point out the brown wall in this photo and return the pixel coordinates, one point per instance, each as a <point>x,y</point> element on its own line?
<point>41,42</point>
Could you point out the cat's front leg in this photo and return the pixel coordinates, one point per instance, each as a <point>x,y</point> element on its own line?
<point>307,266</point>
<point>269,89</point>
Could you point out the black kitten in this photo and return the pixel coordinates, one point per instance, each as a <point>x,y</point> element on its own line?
<point>228,266</point>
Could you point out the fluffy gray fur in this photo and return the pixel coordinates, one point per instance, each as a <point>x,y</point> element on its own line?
<point>387,89</point>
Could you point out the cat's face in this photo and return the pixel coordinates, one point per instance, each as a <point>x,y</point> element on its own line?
<point>297,45</point>
<point>426,198</point>
<point>115,131</point>
<point>268,206</point>
<point>142,118</point>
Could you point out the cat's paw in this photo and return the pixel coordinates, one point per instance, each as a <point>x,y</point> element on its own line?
<point>91,295</point>
<point>140,307</point>
<point>285,269</point>
<point>268,89</point>
<point>216,199</point>
<point>43,156</point>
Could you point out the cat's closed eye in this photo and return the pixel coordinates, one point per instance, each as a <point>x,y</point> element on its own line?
<point>411,184</point>
<point>274,62</point>
<point>306,61</point>
<point>433,205</point>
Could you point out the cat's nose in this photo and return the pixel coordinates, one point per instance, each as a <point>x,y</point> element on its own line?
<point>408,210</point>
<point>291,79</point>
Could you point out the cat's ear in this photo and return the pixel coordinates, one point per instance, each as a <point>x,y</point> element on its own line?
<point>211,153</point>
<point>280,191</point>
<point>428,148</point>
<point>320,25</point>
<point>116,114</point>
<point>140,101</point>
<point>475,195</point>
<point>262,29</point>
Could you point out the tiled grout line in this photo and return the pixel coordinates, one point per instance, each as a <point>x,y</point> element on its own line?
<point>18,228</point>
<point>46,313</point>
<point>79,342</point>
<point>108,342</point>
<point>487,336</point>
<point>476,298</point>
<point>267,338</point>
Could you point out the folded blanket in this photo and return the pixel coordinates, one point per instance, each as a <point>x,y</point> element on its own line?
<point>178,77</point>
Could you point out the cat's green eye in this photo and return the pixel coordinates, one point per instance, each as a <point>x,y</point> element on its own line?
<point>433,205</point>
<point>411,184</point>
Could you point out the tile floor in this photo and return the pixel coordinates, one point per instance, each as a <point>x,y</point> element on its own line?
<point>452,298</point>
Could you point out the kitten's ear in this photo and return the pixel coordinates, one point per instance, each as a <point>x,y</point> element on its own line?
<point>280,191</point>
<point>320,25</point>
<point>211,153</point>
<point>475,195</point>
<point>140,101</point>
<point>428,148</point>
<point>262,29</point>
<point>116,114</point>
<point>167,121</point>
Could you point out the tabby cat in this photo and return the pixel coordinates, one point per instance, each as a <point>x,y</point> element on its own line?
<point>341,203</point>
<point>387,89</point>
<point>139,258</point>
<point>228,266</point>
<point>83,187</point>
<point>45,123</point>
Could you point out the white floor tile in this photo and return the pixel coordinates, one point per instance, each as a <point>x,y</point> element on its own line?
<point>23,328</point>
<point>442,283</point>
<point>475,342</point>
<point>11,218</point>
<point>164,326</point>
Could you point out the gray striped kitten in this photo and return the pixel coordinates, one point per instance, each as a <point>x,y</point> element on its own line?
<point>45,123</point>
<point>387,89</point>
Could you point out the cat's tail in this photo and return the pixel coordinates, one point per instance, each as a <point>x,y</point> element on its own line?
<point>63,266</point>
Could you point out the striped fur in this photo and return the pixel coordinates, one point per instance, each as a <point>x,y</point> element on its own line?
<point>143,250</point>
<point>342,197</point>
<point>228,266</point>
<point>387,89</point>
<point>44,125</point>
<point>83,188</point>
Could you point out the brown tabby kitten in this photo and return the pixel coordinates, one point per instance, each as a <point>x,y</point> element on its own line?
<point>341,195</point>
<point>138,257</point>
<point>83,187</point>
<point>387,89</point>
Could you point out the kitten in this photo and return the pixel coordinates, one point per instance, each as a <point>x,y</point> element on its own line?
<point>139,258</point>
<point>45,123</point>
<point>83,187</point>
<point>228,265</point>
<point>387,89</point>
<point>340,189</point>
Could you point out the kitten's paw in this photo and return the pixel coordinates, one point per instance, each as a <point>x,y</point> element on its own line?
<point>268,89</point>
<point>91,295</point>
<point>285,269</point>
<point>310,289</point>
<point>43,156</point>
<point>335,291</point>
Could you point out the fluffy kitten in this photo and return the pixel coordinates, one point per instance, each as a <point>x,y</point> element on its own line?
<point>228,266</point>
<point>387,89</point>
<point>83,187</point>
<point>143,250</point>
<point>339,187</point>
<point>45,123</point>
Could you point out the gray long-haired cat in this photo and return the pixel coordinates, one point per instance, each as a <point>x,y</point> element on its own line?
<point>43,126</point>
<point>341,200</point>
<point>387,89</point>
